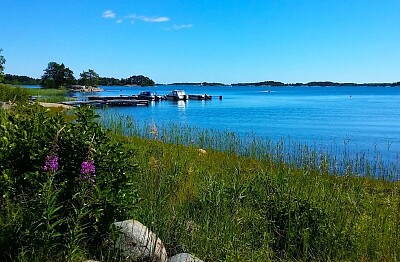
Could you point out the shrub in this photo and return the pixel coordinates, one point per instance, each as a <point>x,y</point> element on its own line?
<point>62,183</point>
<point>13,94</point>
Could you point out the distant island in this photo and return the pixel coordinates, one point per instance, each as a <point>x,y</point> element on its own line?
<point>141,80</point>
<point>323,83</point>
<point>138,80</point>
<point>197,84</point>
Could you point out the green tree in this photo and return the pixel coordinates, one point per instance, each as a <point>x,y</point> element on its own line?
<point>2,62</point>
<point>57,76</point>
<point>139,80</point>
<point>89,78</point>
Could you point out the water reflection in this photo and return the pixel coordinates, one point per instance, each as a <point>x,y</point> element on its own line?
<point>181,105</point>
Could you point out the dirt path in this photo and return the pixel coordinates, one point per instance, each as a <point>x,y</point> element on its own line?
<point>55,105</point>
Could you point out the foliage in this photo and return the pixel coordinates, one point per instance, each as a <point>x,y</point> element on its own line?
<point>48,95</point>
<point>133,80</point>
<point>139,80</point>
<point>13,93</point>
<point>47,204</point>
<point>20,80</point>
<point>220,206</point>
<point>2,62</point>
<point>223,207</point>
<point>257,201</point>
<point>57,76</point>
<point>89,78</point>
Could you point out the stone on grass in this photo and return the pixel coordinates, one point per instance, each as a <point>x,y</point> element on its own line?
<point>184,257</point>
<point>137,242</point>
<point>202,151</point>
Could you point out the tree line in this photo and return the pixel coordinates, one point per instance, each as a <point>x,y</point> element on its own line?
<point>58,75</point>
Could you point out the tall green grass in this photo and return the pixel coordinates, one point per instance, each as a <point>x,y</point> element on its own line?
<point>20,94</point>
<point>249,199</point>
<point>243,199</point>
<point>336,160</point>
<point>13,93</point>
<point>48,95</point>
<point>226,207</point>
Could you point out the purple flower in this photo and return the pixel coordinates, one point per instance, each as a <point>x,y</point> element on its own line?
<point>88,167</point>
<point>51,163</point>
<point>88,172</point>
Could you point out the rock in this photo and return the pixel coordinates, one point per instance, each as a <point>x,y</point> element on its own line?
<point>184,257</point>
<point>137,242</point>
<point>202,151</point>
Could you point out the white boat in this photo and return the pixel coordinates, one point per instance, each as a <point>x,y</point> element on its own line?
<point>176,95</point>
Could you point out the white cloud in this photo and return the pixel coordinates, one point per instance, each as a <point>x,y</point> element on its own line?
<point>159,19</point>
<point>156,19</point>
<point>109,14</point>
<point>178,27</point>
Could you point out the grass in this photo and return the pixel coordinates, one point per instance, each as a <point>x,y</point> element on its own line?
<point>242,199</point>
<point>336,161</point>
<point>20,94</point>
<point>225,207</point>
<point>13,93</point>
<point>248,199</point>
<point>48,95</point>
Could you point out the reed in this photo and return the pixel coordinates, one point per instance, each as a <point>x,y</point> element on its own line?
<point>252,199</point>
<point>48,95</point>
<point>336,160</point>
<point>236,199</point>
<point>13,93</point>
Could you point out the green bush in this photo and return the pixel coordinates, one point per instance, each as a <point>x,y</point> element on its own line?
<point>13,94</point>
<point>62,184</point>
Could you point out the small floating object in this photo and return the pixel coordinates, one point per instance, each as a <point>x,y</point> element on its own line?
<point>200,97</point>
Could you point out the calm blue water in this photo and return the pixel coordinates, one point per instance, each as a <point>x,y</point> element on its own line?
<point>366,119</point>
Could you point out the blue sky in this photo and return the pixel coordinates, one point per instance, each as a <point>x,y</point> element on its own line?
<point>225,41</point>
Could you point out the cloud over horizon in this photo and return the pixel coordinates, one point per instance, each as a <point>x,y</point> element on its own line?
<point>159,19</point>
<point>132,18</point>
<point>178,27</point>
<point>109,14</point>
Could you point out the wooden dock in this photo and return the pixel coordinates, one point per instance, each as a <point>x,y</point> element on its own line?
<point>110,103</point>
<point>202,97</point>
<point>108,98</point>
<point>128,100</point>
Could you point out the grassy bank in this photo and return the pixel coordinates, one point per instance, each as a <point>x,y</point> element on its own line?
<point>48,95</point>
<point>224,207</point>
<point>13,93</point>
<point>20,94</point>
<point>230,205</point>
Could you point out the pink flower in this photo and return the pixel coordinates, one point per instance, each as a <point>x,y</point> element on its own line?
<point>51,163</point>
<point>88,172</point>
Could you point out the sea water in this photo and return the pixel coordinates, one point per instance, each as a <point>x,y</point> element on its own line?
<point>357,119</point>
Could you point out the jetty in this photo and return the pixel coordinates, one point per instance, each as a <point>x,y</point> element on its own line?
<point>131,100</point>
<point>202,97</point>
<point>110,103</point>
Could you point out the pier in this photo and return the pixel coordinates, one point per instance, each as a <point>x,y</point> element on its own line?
<point>111,103</point>
<point>131,100</point>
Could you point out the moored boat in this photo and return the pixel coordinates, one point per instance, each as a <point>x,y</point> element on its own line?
<point>176,95</point>
<point>147,95</point>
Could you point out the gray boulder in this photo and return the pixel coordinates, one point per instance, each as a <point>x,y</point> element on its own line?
<point>137,242</point>
<point>184,257</point>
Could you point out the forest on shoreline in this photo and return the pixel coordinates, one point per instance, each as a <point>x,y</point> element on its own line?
<point>112,81</point>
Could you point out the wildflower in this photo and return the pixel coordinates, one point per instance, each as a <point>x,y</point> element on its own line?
<point>154,130</point>
<point>51,163</point>
<point>88,172</point>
